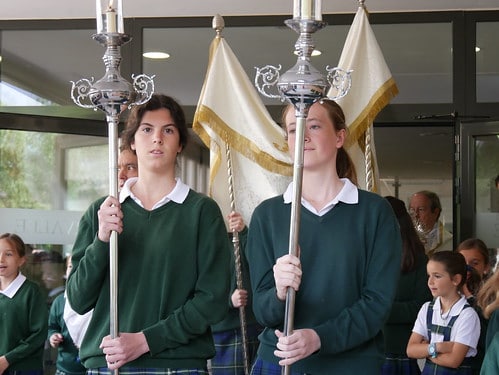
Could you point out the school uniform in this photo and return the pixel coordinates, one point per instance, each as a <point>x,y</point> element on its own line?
<point>461,324</point>
<point>23,326</point>
<point>173,267</point>
<point>350,257</point>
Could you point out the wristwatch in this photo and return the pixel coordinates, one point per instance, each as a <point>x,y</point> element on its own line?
<point>432,350</point>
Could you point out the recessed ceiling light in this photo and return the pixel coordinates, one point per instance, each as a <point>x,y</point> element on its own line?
<point>315,52</point>
<point>156,55</point>
<point>477,49</point>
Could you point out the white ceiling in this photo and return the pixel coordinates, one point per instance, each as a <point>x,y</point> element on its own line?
<point>58,9</point>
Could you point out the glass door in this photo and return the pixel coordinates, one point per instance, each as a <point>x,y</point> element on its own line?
<point>479,194</point>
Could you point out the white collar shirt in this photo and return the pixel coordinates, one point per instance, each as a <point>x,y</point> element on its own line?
<point>348,194</point>
<point>177,195</point>
<point>14,286</point>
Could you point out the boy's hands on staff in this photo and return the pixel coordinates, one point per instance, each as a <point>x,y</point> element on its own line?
<point>124,348</point>
<point>287,273</point>
<point>300,344</point>
<point>110,218</point>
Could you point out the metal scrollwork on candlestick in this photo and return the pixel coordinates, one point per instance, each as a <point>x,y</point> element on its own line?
<point>301,86</point>
<point>112,94</point>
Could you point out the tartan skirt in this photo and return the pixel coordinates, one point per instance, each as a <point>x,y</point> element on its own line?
<point>432,369</point>
<point>400,365</point>
<point>229,357</point>
<point>23,372</point>
<point>262,367</point>
<point>146,371</point>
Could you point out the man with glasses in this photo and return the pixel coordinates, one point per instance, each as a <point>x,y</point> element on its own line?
<point>425,209</point>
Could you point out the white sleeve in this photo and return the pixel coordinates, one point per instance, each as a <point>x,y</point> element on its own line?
<point>420,324</point>
<point>466,329</point>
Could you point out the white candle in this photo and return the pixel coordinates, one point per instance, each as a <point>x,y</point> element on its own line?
<point>296,9</point>
<point>111,20</point>
<point>306,9</point>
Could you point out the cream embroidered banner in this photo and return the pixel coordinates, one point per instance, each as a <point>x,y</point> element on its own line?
<point>372,89</point>
<point>231,113</point>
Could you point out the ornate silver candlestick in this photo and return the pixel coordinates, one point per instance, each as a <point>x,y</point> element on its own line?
<point>111,94</point>
<point>301,86</point>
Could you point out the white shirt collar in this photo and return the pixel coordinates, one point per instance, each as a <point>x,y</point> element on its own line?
<point>348,194</point>
<point>14,286</point>
<point>178,194</point>
<point>455,309</point>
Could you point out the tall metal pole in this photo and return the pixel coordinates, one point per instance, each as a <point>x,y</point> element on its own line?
<point>301,86</point>
<point>111,94</point>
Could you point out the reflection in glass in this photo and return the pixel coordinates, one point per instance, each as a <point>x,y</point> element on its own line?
<point>487,195</point>
<point>487,62</point>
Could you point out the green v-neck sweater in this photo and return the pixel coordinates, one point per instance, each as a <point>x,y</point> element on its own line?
<point>173,280</point>
<point>23,328</point>
<point>350,259</point>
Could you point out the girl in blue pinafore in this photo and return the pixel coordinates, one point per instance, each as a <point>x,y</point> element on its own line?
<point>447,329</point>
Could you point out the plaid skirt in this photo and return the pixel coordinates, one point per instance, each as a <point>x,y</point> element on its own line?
<point>400,365</point>
<point>262,367</point>
<point>146,371</point>
<point>229,357</point>
<point>432,369</point>
<point>23,372</point>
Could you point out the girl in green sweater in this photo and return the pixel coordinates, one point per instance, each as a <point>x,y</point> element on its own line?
<point>23,326</point>
<point>173,259</point>
<point>346,275</point>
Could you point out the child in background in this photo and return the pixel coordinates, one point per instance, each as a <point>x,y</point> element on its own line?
<point>412,293</point>
<point>476,254</point>
<point>477,258</point>
<point>227,334</point>
<point>68,361</point>
<point>447,329</point>
<point>23,325</point>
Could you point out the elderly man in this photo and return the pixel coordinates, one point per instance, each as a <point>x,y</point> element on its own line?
<point>425,209</point>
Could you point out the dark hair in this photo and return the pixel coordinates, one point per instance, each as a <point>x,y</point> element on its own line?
<point>454,264</point>
<point>157,101</point>
<point>473,280</point>
<point>497,180</point>
<point>344,164</point>
<point>16,241</point>
<point>434,200</point>
<point>411,243</point>
<point>478,244</point>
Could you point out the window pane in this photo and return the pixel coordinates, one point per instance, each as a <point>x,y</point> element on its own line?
<point>420,59</point>
<point>38,65</point>
<point>487,62</point>
<point>46,181</point>
<point>423,72</point>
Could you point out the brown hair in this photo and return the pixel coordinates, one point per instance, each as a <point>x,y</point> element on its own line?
<point>344,164</point>
<point>157,101</point>
<point>411,243</point>
<point>488,295</point>
<point>454,264</point>
<point>478,244</point>
<point>16,241</point>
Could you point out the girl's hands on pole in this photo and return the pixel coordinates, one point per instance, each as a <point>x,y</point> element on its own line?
<point>300,344</point>
<point>287,273</point>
